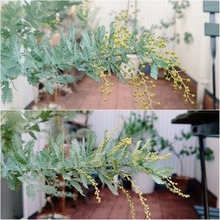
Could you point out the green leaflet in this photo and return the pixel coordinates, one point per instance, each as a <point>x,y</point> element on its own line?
<point>93,75</point>
<point>154,71</point>
<point>86,43</point>
<point>28,179</point>
<point>63,79</point>
<point>100,33</point>
<point>84,181</point>
<point>166,171</point>
<point>58,145</point>
<point>51,190</point>
<point>20,158</point>
<point>36,55</point>
<point>33,135</point>
<point>7,95</point>
<point>157,179</point>
<point>35,127</point>
<point>4,171</point>
<point>118,73</point>
<point>71,36</point>
<point>49,87</point>
<point>109,184</point>
<point>91,141</point>
<point>75,148</point>
<point>46,75</point>
<point>77,186</point>
<point>111,187</point>
<point>13,182</point>
<point>31,190</point>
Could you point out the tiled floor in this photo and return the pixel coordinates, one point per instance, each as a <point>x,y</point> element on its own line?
<point>162,203</point>
<point>88,96</point>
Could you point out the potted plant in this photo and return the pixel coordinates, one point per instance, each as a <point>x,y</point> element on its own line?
<point>96,54</point>
<point>180,148</point>
<point>21,164</point>
<point>179,8</point>
<point>141,127</point>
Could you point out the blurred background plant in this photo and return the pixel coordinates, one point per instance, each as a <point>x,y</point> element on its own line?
<point>141,127</point>
<point>180,148</point>
<point>32,17</point>
<point>84,18</point>
<point>179,8</point>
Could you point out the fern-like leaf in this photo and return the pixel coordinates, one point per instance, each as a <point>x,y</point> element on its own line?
<point>7,95</point>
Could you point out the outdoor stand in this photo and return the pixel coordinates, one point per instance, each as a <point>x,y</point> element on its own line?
<point>203,124</point>
<point>212,30</point>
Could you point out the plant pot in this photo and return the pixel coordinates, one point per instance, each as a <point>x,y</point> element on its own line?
<point>144,181</point>
<point>81,119</point>
<point>48,105</point>
<point>49,216</point>
<point>182,182</point>
<point>134,61</point>
<point>147,70</point>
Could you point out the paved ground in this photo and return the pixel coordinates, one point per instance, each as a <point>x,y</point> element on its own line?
<point>88,96</point>
<point>162,203</point>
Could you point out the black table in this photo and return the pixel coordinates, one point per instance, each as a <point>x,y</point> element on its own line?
<point>203,124</point>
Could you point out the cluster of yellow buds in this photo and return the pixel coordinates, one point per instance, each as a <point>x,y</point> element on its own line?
<point>125,141</point>
<point>124,44</point>
<point>153,156</point>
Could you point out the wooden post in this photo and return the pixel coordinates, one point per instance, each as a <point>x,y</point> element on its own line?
<point>62,189</point>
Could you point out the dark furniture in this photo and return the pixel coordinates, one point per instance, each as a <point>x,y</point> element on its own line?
<point>203,124</point>
<point>212,30</point>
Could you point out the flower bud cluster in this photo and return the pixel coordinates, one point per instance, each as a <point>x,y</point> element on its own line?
<point>149,50</point>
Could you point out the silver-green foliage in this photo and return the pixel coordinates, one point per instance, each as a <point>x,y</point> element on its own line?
<point>39,62</point>
<point>21,164</point>
<point>19,18</point>
<point>96,53</point>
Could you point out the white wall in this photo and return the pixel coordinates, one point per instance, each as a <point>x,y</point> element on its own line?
<point>23,94</point>
<point>168,130</point>
<point>212,167</point>
<point>196,57</point>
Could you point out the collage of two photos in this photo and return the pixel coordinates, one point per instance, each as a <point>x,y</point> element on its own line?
<point>109,109</point>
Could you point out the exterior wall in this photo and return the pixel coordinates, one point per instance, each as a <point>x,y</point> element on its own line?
<point>23,94</point>
<point>196,57</point>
